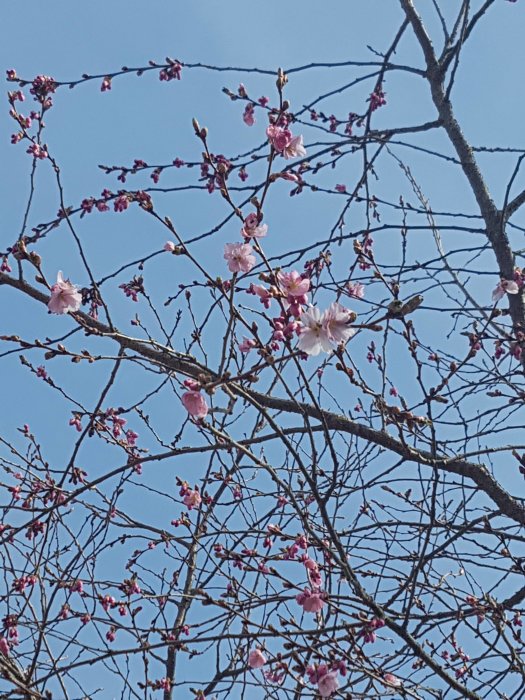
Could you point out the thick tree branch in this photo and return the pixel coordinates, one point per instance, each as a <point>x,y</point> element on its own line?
<point>190,367</point>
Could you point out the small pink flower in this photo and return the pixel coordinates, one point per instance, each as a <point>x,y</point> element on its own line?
<point>340,188</point>
<point>108,602</point>
<point>311,601</point>
<point>328,684</point>
<point>256,659</point>
<point>314,335</point>
<point>37,151</point>
<point>295,149</point>
<point>239,256</point>
<point>504,287</point>
<point>279,138</point>
<point>263,294</point>
<point>65,296</point>
<point>171,72</point>
<point>336,320</point>
<point>192,384</point>
<point>392,680</point>
<point>169,246</point>
<point>195,403</point>
<point>248,116</point>
<point>293,284</point>
<point>121,203</point>
<point>251,228</point>
<point>312,568</point>
<point>356,290</point>
<point>192,499</point>
<point>77,587</point>
<point>246,345</point>
<point>377,99</point>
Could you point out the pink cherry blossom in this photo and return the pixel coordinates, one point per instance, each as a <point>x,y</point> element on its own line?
<point>65,296</point>
<point>285,143</point>
<point>169,246</point>
<point>314,336</point>
<point>311,601</point>
<point>252,229</point>
<point>263,294</point>
<point>336,320</point>
<point>279,137</point>
<point>295,149</point>
<point>246,345</point>
<point>192,499</point>
<point>239,256</point>
<point>328,684</point>
<point>195,403</point>
<point>192,384</point>
<point>392,680</point>
<point>248,116</point>
<point>256,659</point>
<point>356,290</point>
<point>504,287</point>
<point>312,568</point>
<point>293,285</point>
<point>37,151</point>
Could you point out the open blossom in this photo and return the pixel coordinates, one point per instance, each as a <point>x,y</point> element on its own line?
<point>293,284</point>
<point>195,403</point>
<point>336,320</point>
<point>279,137</point>
<point>295,148</point>
<point>326,678</point>
<point>285,143</point>
<point>251,228</point>
<point>311,601</point>
<point>256,659</point>
<point>192,499</point>
<point>65,296</point>
<point>239,256</point>
<point>328,684</point>
<point>314,336</point>
<point>504,287</point>
<point>325,331</point>
<point>356,290</point>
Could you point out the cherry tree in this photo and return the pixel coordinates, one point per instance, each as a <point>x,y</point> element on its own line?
<point>280,456</point>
